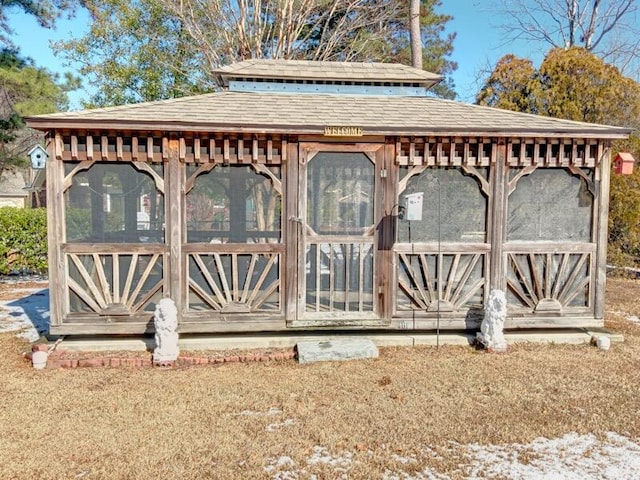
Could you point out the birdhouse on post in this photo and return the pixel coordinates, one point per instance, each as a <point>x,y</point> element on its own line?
<point>623,163</point>
<point>38,157</point>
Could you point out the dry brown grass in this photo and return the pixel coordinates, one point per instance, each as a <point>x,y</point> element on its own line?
<point>189,423</point>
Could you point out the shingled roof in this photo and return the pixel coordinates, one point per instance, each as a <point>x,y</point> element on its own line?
<point>304,70</point>
<point>310,113</point>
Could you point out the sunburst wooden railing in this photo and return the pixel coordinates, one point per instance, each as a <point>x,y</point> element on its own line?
<point>444,282</point>
<point>550,281</point>
<point>109,283</point>
<point>235,282</point>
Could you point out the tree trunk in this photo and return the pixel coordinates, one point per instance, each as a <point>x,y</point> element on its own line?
<point>414,32</point>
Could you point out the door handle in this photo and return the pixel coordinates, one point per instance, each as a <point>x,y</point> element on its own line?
<point>295,219</point>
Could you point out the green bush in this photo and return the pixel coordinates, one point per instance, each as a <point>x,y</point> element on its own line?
<point>23,240</point>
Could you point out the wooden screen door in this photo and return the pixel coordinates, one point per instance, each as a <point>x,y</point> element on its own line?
<point>338,213</point>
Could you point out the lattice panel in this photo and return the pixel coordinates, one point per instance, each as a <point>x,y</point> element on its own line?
<point>444,151</point>
<point>554,152</point>
<point>114,283</point>
<point>549,281</point>
<point>234,282</point>
<point>446,282</point>
<point>214,148</point>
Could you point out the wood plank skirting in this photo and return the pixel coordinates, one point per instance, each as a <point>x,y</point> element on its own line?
<point>236,249</point>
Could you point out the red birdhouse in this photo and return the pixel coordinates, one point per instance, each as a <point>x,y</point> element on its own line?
<point>623,163</point>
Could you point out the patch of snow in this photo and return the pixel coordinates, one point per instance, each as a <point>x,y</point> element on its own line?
<point>29,315</point>
<point>633,318</point>
<point>278,425</point>
<point>340,463</point>
<point>570,457</point>
<point>404,460</point>
<point>426,474</point>
<point>276,466</point>
<point>250,413</point>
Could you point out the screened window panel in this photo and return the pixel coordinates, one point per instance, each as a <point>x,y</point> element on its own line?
<point>550,205</point>
<point>233,204</point>
<point>454,208</point>
<point>114,203</point>
<point>340,193</point>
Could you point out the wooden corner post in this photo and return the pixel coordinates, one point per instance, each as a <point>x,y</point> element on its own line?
<point>56,231</point>
<point>500,179</point>
<point>603,174</point>
<point>175,225</point>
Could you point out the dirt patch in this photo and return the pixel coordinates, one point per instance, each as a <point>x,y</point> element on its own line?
<point>13,290</point>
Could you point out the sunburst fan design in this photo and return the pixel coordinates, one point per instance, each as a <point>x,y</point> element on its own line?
<point>549,281</point>
<point>233,282</point>
<point>96,280</point>
<point>444,282</point>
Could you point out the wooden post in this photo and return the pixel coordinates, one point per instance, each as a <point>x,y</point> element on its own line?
<point>238,205</point>
<point>175,226</point>
<point>389,194</point>
<point>603,173</point>
<point>98,217</point>
<point>500,180</point>
<point>291,232</point>
<point>56,235</point>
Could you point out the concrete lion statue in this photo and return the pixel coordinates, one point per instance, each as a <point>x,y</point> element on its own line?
<point>165,320</point>
<point>491,334</point>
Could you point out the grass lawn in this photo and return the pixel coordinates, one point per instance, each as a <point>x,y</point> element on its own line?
<point>411,411</point>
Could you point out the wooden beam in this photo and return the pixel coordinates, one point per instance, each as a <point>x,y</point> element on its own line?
<point>150,149</point>
<point>89,147</point>
<point>134,148</point>
<point>182,149</point>
<point>254,149</point>
<point>175,224</point>
<point>74,147</point>
<point>56,235</point>
<point>602,204</point>
<point>240,150</point>
<point>58,147</point>
<point>196,149</point>
<point>225,153</point>
<point>104,147</point>
<point>212,149</point>
<point>497,234</point>
<point>291,230</point>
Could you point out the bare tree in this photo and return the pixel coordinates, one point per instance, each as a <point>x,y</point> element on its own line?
<point>141,50</point>
<point>414,32</point>
<point>608,28</point>
<point>317,30</point>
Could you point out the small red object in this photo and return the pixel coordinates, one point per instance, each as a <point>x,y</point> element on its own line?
<point>623,163</point>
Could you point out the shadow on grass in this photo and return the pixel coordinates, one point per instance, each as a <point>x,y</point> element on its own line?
<point>31,311</point>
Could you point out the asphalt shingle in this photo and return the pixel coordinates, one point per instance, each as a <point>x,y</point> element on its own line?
<point>310,113</point>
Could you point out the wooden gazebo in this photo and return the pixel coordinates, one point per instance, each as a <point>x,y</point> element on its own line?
<point>317,195</point>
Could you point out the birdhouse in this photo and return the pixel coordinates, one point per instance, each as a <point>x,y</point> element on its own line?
<point>38,157</point>
<point>623,163</point>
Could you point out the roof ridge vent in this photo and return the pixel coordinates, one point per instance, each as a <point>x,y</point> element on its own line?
<point>326,77</point>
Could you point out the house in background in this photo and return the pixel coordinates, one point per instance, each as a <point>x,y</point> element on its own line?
<point>22,188</point>
<point>12,188</point>
<point>319,195</point>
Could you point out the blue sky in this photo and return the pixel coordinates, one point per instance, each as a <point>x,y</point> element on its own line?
<point>478,45</point>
